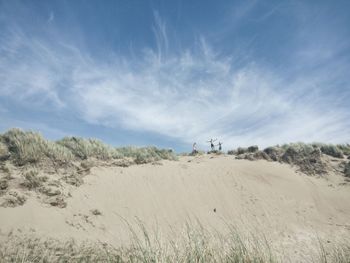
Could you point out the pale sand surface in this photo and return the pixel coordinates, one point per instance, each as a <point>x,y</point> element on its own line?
<point>289,208</point>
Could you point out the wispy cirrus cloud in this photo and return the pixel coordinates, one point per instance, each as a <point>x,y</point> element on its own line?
<point>191,95</point>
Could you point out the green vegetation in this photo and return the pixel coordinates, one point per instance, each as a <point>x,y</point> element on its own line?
<point>308,157</point>
<point>87,148</point>
<point>332,150</point>
<point>345,148</point>
<point>253,149</point>
<point>31,147</point>
<point>23,147</point>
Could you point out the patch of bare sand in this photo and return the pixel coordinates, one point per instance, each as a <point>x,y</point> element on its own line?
<point>289,208</point>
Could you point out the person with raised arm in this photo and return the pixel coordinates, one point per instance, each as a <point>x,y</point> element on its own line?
<point>212,146</point>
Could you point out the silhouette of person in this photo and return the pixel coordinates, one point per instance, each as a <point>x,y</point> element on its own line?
<point>212,146</point>
<point>219,144</point>
<point>194,148</point>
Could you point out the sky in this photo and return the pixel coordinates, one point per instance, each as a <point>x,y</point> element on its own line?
<point>170,73</point>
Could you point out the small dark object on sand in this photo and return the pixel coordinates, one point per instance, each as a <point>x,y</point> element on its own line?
<point>214,210</point>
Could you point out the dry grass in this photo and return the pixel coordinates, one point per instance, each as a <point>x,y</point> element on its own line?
<point>195,244</point>
<point>330,149</point>
<point>32,180</point>
<point>4,152</point>
<point>309,158</point>
<point>25,147</point>
<point>85,148</point>
<point>146,154</point>
<point>31,147</point>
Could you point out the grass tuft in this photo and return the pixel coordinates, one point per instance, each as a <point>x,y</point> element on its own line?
<point>32,180</point>
<point>85,148</point>
<point>332,150</point>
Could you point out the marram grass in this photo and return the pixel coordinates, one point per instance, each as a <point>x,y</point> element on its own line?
<point>23,147</point>
<point>194,245</point>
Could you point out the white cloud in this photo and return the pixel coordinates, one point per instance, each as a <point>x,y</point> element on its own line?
<point>196,97</point>
<point>192,95</point>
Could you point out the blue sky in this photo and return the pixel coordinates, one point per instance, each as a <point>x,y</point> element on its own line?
<point>170,73</point>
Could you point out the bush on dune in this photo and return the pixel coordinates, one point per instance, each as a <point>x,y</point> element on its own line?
<point>232,152</point>
<point>345,148</point>
<point>253,149</point>
<point>305,156</point>
<point>329,149</point>
<point>241,150</point>
<point>274,152</point>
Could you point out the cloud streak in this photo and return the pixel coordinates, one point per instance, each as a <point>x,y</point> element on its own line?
<point>190,95</point>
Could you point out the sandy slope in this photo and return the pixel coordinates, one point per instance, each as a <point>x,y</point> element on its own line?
<point>291,209</point>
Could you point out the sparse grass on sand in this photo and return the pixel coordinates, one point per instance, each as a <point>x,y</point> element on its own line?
<point>195,245</point>
<point>311,159</point>
<point>23,147</point>
<point>41,162</point>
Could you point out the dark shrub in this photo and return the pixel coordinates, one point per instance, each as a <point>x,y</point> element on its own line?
<point>275,153</point>
<point>332,150</point>
<point>232,152</point>
<point>345,148</point>
<point>347,169</point>
<point>4,152</point>
<point>241,150</point>
<point>253,149</point>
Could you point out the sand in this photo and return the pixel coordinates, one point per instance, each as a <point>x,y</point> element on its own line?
<point>291,209</point>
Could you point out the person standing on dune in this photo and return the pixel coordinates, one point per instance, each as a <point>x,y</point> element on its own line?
<point>219,144</point>
<point>194,148</point>
<point>212,146</point>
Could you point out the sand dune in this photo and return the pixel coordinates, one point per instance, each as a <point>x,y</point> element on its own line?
<point>289,208</point>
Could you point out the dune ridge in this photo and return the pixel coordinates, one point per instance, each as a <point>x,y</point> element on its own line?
<point>215,207</point>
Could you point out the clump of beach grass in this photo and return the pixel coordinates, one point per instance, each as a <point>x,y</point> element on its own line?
<point>345,148</point>
<point>32,179</point>
<point>28,147</point>
<point>195,244</point>
<point>330,149</point>
<point>31,147</point>
<point>146,154</point>
<point>307,157</point>
<point>85,148</point>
